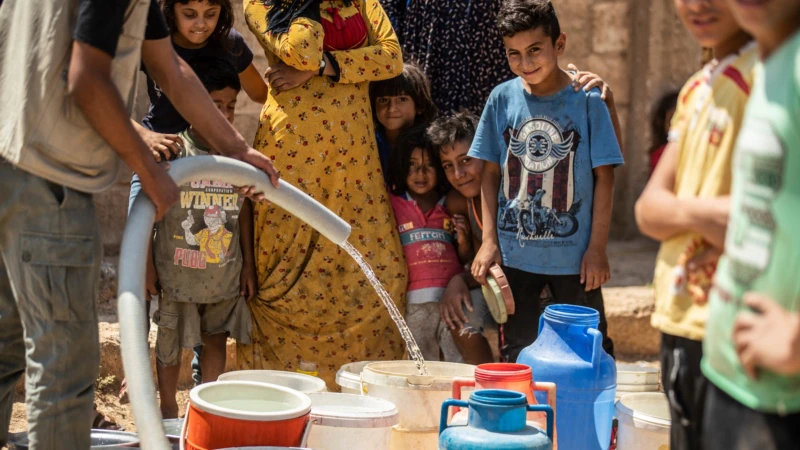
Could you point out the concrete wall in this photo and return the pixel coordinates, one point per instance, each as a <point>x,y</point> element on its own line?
<point>638,46</point>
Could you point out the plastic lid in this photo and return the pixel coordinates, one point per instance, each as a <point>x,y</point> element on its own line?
<point>352,411</point>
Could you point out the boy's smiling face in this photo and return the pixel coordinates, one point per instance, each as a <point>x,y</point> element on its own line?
<point>462,171</point>
<point>769,21</point>
<point>711,22</point>
<point>532,54</point>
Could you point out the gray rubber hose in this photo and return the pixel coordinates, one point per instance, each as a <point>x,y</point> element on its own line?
<point>132,320</point>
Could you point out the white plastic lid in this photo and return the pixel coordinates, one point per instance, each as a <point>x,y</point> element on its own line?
<point>352,411</point>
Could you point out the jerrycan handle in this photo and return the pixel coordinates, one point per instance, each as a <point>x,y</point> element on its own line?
<point>446,407</point>
<point>460,383</point>
<point>597,345</point>
<point>547,410</point>
<point>549,388</point>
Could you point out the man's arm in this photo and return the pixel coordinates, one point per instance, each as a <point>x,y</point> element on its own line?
<point>489,252</point>
<point>190,98</point>
<point>595,270</point>
<point>90,85</point>
<point>660,214</point>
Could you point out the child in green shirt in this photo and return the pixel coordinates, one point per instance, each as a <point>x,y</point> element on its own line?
<point>752,343</point>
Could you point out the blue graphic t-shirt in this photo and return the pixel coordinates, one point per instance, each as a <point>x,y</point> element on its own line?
<point>546,148</point>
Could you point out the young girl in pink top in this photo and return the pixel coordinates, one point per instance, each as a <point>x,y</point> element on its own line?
<point>429,239</point>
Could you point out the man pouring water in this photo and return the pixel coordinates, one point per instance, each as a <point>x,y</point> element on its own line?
<point>67,83</point>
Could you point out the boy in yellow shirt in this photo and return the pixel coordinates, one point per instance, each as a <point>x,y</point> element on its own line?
<point>685,205</point>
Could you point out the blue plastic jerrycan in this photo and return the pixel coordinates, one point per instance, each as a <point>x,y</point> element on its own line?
<point>569,353</point>
<point>496,420</point>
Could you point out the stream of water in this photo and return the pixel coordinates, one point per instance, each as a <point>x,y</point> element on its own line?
<point>394,313</point>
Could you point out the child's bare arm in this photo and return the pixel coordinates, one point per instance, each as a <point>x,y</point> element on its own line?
<point>595,270</point>
<point>660,214</point>
<point>253,84</point>
<point>464,239</point>
<point>247,280</point>
<point>489,251</point>
<point>151,274</point>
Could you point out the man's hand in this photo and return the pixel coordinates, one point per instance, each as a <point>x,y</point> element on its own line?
<point>595,270</point>
<point>283,77</point>
<point>247,281</point>
<point>488,254</point>
<point>767,339</point>
<point>258,160</point>
<point>159,188</point>
<point>456,294</point>
<point>162,146</point>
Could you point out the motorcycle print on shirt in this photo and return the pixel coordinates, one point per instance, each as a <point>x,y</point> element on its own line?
<point>538,186</point>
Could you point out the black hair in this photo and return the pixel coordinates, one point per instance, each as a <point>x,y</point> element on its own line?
<point>458,127</point>
<point>668,101</point>
<point>400,160</point>
<point>221,33</point>
<point>412,82</point>
<point>216,74</point>
<point>516,16</point>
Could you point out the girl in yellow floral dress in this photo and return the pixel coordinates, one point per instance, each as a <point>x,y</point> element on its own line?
<point>313,302</point>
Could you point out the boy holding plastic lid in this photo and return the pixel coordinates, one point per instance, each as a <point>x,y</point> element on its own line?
<point>546,188</point>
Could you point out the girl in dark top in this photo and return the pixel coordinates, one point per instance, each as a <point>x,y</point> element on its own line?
<point>660,126</point>
<point>397,104</point>
<point>202,29</point>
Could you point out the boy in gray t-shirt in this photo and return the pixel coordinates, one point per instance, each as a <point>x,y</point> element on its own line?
<point>202,259</point>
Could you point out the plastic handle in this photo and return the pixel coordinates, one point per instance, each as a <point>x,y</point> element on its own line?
<point>549,388</point>
<point>597,345</point>
<point>184,428</point>
<point>458,385</point>
<point>446,407</point>
<point>547,410</point>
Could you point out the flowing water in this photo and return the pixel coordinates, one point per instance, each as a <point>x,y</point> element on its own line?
<point>411,344</point>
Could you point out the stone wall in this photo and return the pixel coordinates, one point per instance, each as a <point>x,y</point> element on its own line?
<point>638,46</point>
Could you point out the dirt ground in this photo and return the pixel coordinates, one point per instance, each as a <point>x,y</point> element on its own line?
<point>632,264</point>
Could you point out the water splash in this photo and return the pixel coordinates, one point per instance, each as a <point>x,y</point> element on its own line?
<point>394,313</point>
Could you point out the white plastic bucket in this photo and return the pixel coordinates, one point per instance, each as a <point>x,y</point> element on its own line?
<point>349,377</point>
<point>338,419</point>
<point>297,381</point>
<point>418,398</point>
<point>630,374</point>
<point>644,421</point>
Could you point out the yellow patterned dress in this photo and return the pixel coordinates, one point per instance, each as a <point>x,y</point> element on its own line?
<point>313,302</point>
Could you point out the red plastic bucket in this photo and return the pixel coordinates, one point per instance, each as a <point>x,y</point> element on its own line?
<point>242,413</point>
<point>512,377</point>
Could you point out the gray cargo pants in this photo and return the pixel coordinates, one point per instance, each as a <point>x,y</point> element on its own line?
<point>49,274</point>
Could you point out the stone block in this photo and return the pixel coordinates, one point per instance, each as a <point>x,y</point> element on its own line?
<point>611,27</point>
<point>628,311</point>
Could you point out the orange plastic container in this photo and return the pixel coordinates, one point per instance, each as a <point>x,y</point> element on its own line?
<point>512,377</point>
<point>241,414</point>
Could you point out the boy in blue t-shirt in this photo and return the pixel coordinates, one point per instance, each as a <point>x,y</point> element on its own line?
<point>548,176</point>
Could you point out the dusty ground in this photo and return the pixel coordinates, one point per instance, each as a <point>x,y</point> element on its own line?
<point>628,299</point>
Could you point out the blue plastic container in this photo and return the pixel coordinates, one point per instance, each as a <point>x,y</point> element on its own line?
<point>496,421</point>
<point>569,352</point>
